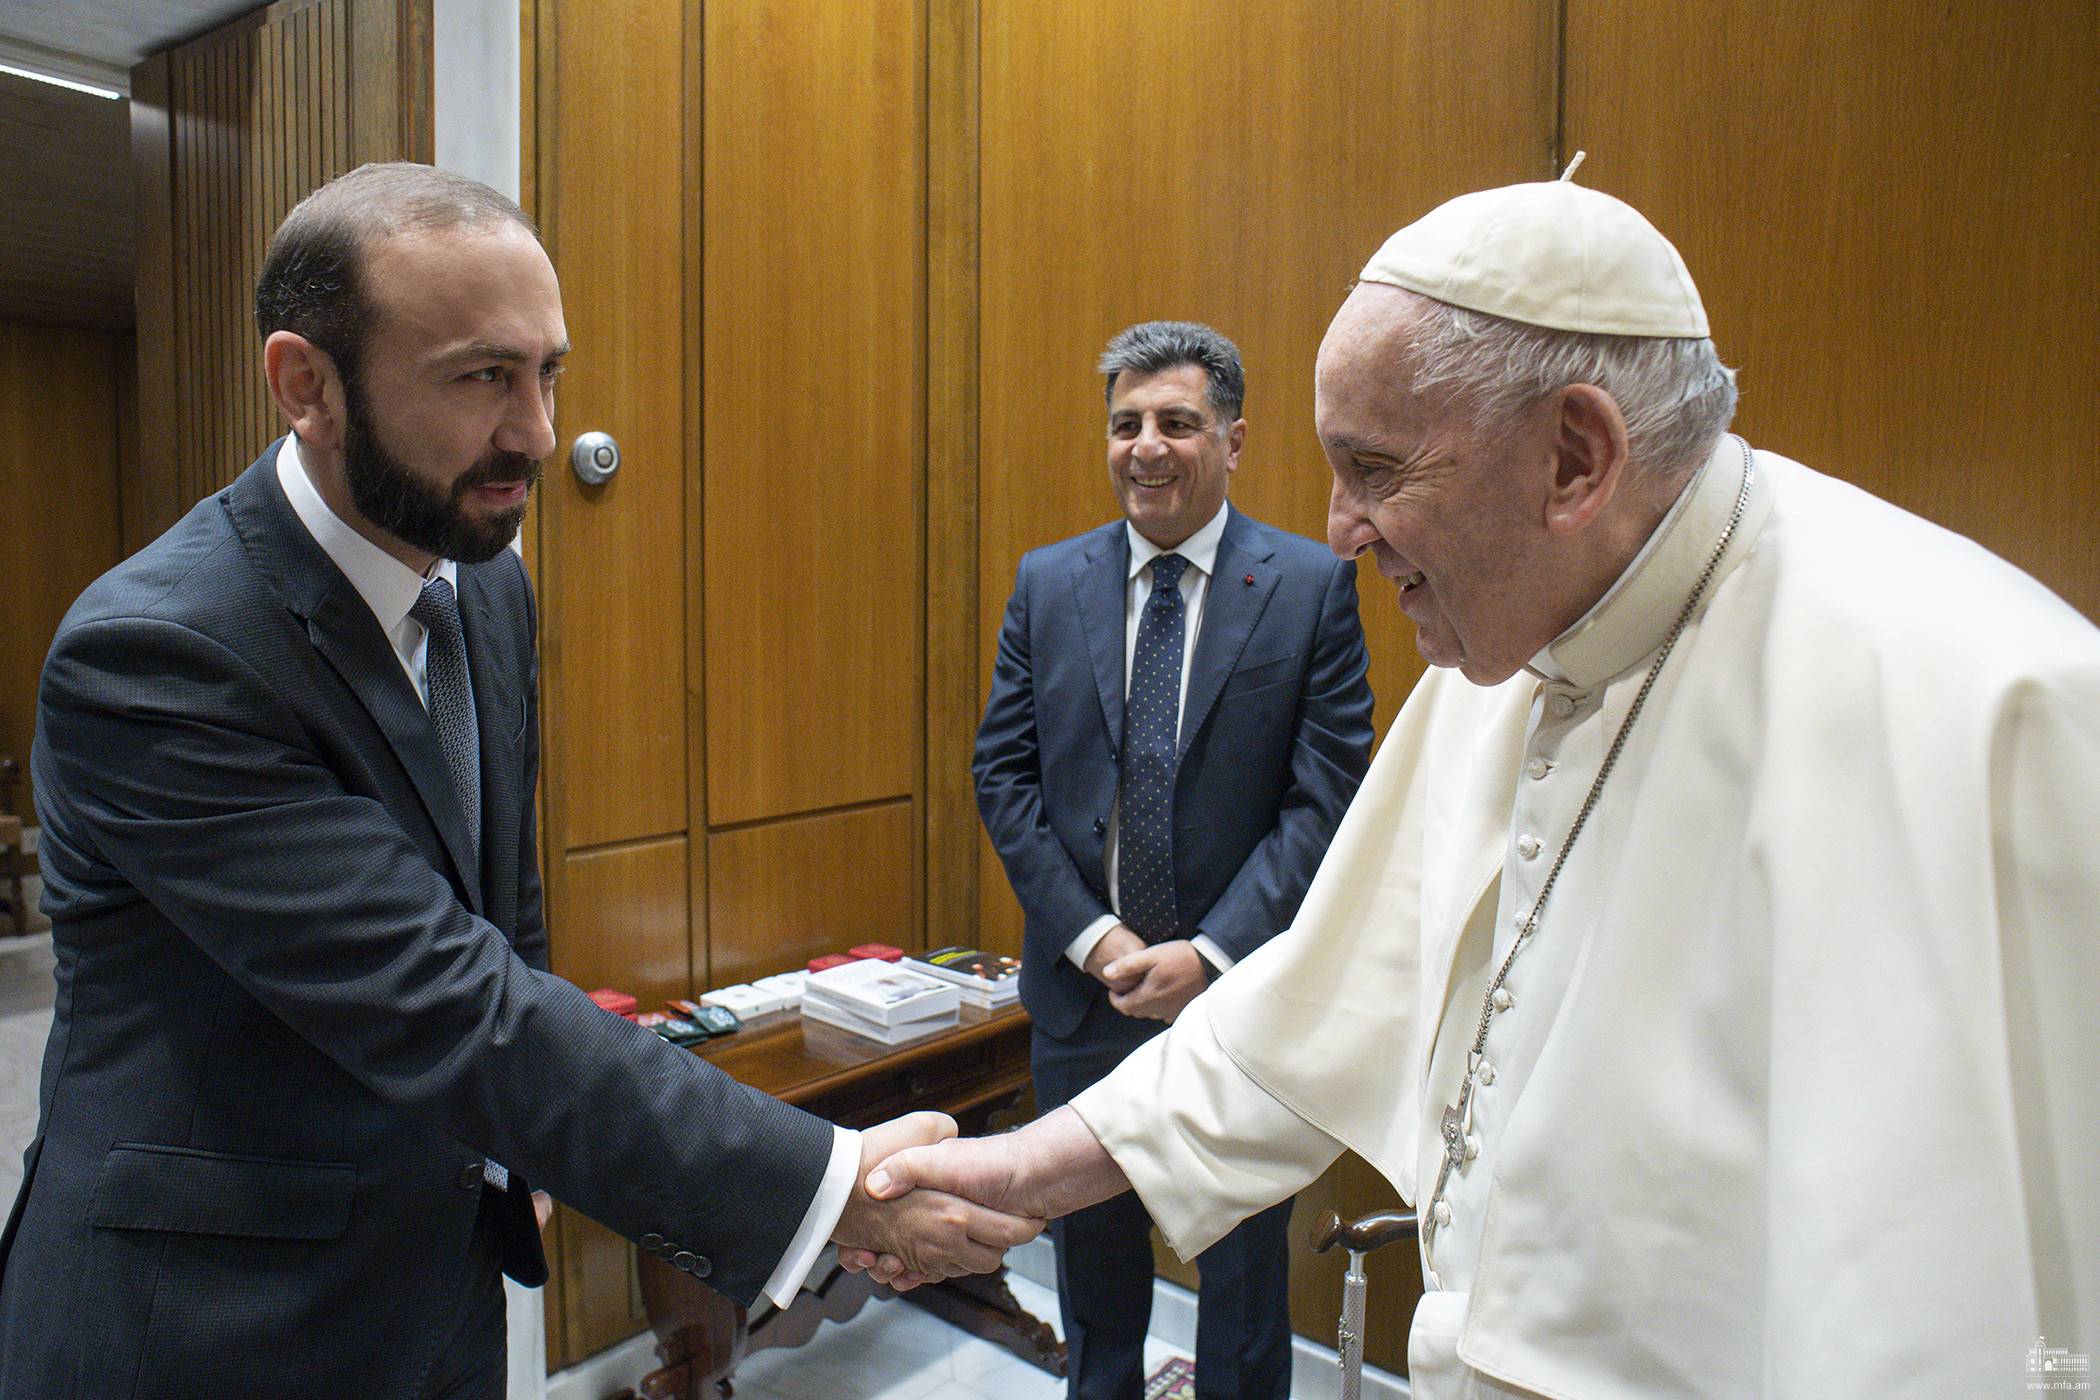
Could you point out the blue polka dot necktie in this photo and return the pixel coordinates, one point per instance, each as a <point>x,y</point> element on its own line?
<point>1151,721</point>
<point>451,697</point>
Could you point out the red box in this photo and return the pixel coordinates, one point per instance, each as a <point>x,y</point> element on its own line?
<point>881,952</point>
<point>619,1003</point>
<point>831,960</point>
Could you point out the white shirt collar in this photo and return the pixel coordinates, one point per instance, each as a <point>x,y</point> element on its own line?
<point>388,586</point>
<point>1200,549</point>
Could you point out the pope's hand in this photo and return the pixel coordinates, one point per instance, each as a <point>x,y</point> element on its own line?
<point>1156,982</point>
<point>927,1234</point>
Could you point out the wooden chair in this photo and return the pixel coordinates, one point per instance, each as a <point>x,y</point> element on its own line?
<point>1359,1237</point>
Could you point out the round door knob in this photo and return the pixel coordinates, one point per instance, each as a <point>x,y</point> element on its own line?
<point>595,457</point>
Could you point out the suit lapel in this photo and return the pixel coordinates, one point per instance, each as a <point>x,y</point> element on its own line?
<point>1231,609</point>
<point>346,634</point>
<point>1099,588</point>
<point>343,630</point>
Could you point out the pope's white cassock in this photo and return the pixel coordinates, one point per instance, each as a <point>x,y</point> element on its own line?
<point>1796,1092</point>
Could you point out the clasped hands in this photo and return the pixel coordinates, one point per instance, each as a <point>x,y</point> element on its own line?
<point>1016,1180</point>
<point>1150,981</point>
<point>911,1237</point>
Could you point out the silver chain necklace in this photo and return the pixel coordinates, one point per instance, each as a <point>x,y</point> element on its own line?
<point>1457,1119</point>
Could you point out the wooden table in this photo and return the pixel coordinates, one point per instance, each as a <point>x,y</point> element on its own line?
<point>971,1071</point>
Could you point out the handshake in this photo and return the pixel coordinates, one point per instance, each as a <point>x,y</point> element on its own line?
<point>930,1205</point>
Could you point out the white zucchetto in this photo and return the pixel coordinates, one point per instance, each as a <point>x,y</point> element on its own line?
<point>1550,254</point>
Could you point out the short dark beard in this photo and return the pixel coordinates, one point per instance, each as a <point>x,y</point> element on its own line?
<point>390,494</point>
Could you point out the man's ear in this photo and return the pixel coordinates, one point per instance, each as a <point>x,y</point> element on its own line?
<point>1589,458</point>
<point>1235,439</point>
<point>307,386</point>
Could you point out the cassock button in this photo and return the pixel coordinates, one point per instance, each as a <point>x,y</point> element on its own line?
<point>470,1176</point>
<point>1536,768</point>
<point>683,1260</point>
<point>1561,706</point>
<point>652,1242</point>
<point>1443,1212</point>
<point>1487,1072</point>
<point>1503,1000</point>
<point>1472,1146</point>
<point>1528,846</point>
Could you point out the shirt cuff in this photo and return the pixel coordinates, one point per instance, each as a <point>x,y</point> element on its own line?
<point>1082,947</point>
<point>820,1220</point>
<point>1217,957</point>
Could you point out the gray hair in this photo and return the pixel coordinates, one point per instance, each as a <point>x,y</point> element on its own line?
<point>1676,396</point>
<point>1152,346</point>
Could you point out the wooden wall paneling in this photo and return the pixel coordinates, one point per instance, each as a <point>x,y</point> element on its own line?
<point>230,136</point>
<point>389,50</point>
<point>613,556</point>
<point>151,491</point>
<point>620,912</point>
<point>1892,216</point>
<point>59,519</point>
<point>1243,183</point>
<point>953,704</point>
<point>783,892</point>
<point>692,212</point>
<point>814,145</point>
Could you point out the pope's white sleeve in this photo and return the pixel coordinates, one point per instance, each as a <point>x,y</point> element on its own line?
<point>1204,1145</point>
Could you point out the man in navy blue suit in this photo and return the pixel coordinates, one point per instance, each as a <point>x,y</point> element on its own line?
<point>1179,716</point>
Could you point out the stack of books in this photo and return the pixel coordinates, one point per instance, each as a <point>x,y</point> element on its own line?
<point>882,1001</point>
<point>986,980</point>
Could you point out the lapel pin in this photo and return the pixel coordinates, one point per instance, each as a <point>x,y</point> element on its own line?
<point>1250,580</point>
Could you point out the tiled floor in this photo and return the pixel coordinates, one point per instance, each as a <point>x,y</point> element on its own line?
<point>892,1351</point>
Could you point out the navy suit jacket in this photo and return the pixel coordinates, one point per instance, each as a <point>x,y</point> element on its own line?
<point>1275,737</point>
<point>290,1018</point>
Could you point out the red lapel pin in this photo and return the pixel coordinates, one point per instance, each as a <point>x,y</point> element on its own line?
<point>1250,580</point>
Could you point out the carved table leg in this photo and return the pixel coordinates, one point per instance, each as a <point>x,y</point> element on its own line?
<point>984,1306</point>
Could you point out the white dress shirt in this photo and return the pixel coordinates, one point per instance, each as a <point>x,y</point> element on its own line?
<point>1201,550</point>
<point>390,588</point>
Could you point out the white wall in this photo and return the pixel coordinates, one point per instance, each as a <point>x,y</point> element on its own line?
<point>476,77</point>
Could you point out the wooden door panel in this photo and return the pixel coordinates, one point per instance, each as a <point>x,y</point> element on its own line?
<point>612,558</point>
<point>1891,214</point>
<point>781,893</point>
<point>812,378</point>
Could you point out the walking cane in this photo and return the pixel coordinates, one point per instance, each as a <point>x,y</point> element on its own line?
<point>1359,1237</point>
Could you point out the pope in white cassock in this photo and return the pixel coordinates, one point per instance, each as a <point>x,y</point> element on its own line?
<point>1711,953</point>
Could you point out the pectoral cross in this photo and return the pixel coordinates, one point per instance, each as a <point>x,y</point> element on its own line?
<point>1457,1118</point>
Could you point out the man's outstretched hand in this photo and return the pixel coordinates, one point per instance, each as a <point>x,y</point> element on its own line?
<point>1049,1168</point>
<point>927,1234</point>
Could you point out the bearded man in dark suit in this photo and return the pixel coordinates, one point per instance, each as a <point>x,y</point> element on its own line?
<point>307,1062</point>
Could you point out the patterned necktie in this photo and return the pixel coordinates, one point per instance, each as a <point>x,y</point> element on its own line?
<point>452,697</point>
<point>1151,720</point>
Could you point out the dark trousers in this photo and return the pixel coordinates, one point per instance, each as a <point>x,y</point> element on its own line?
<point>474,1363</point>
<point>1104,1261</point>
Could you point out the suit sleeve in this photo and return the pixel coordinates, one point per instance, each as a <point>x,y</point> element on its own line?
<point>1330,753</point>
<point>1060,902</point>
<point>197,783</point>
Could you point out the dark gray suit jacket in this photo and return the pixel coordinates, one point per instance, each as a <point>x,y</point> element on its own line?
<point>1275,738</point>
<point>289,1021</point>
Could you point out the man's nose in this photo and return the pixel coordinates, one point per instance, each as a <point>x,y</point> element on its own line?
<point>1150,442</point>
<point>529,426</point>
<point>1349,531</point>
